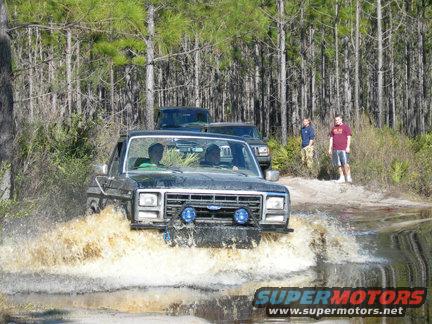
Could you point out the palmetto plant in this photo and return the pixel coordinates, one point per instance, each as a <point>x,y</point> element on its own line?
<point>172,157</point>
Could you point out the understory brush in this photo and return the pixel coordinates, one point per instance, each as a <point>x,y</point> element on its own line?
<point>54,163</point>
<point>421,175</point>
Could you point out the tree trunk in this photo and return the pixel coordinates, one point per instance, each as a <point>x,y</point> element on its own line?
<point>380,73</point>
<point>427,109</point>
<point>160,85</point>
<point>392,119</point>
<point>40,88</point>
<point>69,71</point>
<point>197,73</point>
<point>268,94</point>
<point>127,105</point>
<point>51,75</point>
<point>112,91</point>
<point>256,88</point>
<point>303,58</point>
<point>421,76</point>
<point>282,86</point>
<point>347,85</point>
<point>263,91</point>
<point>408,104</point>
<point>357,62</point>
<point>407,92</point>
<point>295,102</point>
<point>336,35</point>
<point>30,74</point>
<point>323,92</point>
<point>149,119</point>
<point>7,130</point>
<point>313,76</point>
<point>78,80</point>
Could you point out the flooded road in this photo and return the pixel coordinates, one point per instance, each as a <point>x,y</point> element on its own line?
<point>95,267</point>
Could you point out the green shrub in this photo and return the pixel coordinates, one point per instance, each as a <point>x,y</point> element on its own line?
<point>54,163</point>
<point>286,158</point>
<point>423,143</point>
<point>421,177</point>
<point>399,170</point>
<point>174,158</point>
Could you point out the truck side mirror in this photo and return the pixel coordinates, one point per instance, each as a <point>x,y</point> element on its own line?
<point>101,169</point>
<point>272,175</point>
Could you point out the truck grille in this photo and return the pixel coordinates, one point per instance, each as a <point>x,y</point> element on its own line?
<point>174,203</point>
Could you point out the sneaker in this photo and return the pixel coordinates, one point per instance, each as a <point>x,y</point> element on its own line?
<point>340,180</point>
<point>349,179</point>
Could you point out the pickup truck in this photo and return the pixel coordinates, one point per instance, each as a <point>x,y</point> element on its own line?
<point>196,188</point>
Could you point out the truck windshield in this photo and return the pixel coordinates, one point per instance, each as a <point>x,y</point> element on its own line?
<point>189,154</point>
<point>179,117</point>
<point>243,131</point>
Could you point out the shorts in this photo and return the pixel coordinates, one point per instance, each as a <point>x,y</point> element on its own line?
<point>340,158</point>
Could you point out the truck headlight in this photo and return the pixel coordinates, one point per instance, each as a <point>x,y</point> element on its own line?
<point>148,199</point>
<point>263,151</point>
<point>275,203</point>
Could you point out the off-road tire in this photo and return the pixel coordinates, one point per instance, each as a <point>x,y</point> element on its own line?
<point>92,206</point>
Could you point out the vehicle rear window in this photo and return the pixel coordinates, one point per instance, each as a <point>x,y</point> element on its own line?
<point>243,131</point>
<point>175,118</point>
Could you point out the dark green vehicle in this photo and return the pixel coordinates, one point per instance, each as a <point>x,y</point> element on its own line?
<point>194,187</point>
<point>250,134</point>
<point>182,118</point>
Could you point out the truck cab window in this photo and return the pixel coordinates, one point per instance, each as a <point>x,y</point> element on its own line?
<point>114,163</point>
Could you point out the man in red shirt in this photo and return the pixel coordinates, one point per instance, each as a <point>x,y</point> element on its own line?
<point>339,148</point>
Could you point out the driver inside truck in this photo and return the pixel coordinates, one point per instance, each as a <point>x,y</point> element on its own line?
<point>212,155</point>
<point>155,153</point>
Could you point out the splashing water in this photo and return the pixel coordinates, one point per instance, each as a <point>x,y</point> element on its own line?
<point>102,246</point>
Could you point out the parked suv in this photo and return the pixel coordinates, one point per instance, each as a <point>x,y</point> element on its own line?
<point>250,134</point>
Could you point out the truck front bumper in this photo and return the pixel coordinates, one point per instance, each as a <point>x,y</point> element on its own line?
<point>264,228</point>
<point>214,235</point>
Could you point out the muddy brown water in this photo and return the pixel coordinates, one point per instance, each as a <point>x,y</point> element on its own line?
<point>94,269</point>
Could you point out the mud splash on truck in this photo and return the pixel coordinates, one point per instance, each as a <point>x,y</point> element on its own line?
<point>102,247</point>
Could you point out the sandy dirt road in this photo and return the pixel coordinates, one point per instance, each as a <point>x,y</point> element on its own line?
<point>329,193</point>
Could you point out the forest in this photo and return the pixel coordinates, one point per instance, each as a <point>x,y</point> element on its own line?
<point>74,73</point>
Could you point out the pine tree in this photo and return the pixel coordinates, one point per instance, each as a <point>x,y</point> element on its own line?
<point>6,108</point>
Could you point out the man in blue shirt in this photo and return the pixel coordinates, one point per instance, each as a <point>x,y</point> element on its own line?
<point>308,137</point>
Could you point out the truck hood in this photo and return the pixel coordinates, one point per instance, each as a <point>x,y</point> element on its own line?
<point>209,181</point>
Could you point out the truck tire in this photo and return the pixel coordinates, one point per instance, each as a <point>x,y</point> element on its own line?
<point>92,206</point>
<point>125,208</point>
